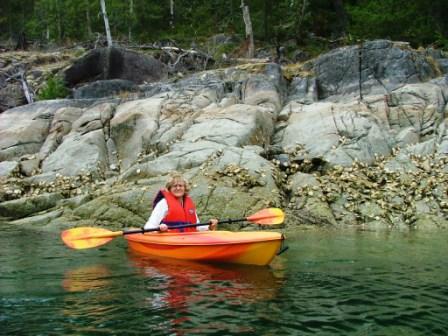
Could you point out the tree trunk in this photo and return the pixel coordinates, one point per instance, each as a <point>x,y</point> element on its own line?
<point>300,17</point>
<point>231,14</point>
<point>26,89</point>
<point>89,24</point>
<point>267,14</point>
<point>106,23</point>
<point>59,23</point>
<point>131,19</point>
<point>172,13</point>
<point>21,77</point>
<point>249,32</point>
<point>341,15</point>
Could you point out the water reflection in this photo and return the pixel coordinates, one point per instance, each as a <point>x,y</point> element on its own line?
<point>188,292</point>
<point>90,302</point>
<point>86,278</point>
<point>178,297</point>
<point>187,282</point>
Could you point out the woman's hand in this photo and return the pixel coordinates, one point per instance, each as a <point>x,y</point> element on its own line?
<point>213,224</point>
<point>163,227</point>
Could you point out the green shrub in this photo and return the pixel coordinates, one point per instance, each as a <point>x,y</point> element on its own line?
<point>54,88</point>
<point>441,41</point>
<point>225,48</point>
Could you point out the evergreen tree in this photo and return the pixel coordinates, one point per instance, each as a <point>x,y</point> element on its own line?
<point>420,22</point>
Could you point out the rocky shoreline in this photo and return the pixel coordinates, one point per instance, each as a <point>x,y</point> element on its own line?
<point>331,146</point>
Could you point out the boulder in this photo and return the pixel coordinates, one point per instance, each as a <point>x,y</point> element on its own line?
<point>78,154</point>
<point>26,206</point>
<point>115,63</point>
<point>7,168</point>
<point>24,129</point>
<point>344,134</point>
<point>105,88</point>
<point>11,96</point>
<point>132,128</point>
<point>29,165</point>
<point>373,67</point>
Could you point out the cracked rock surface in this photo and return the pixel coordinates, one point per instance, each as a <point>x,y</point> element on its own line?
<point>356,137</point>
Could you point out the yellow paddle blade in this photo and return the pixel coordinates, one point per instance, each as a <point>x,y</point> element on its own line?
<point>87,237</point>
<point>270,216</point>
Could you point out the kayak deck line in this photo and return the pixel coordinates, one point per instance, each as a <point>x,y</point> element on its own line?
<point>184,238</point>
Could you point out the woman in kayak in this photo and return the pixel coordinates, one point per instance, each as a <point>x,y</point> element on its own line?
<point>173,207</point>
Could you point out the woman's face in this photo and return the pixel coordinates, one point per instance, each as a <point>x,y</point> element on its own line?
<point>178,189</point>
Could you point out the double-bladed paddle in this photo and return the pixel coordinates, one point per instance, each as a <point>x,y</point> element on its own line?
<point>88,237</point>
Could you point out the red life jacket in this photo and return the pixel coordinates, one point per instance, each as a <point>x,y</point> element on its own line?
<point>178,214</point>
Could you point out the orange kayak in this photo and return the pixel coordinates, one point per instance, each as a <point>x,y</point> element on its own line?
<point>254,248</point>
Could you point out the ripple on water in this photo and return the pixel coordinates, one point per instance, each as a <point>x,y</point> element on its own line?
<point>326,284</point>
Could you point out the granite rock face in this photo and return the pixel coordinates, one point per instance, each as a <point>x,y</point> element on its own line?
<point>319,146</point>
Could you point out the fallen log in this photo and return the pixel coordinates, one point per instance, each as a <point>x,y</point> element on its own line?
<point>20,76</point>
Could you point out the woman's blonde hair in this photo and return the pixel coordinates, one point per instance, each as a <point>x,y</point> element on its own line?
<point>177,177</point>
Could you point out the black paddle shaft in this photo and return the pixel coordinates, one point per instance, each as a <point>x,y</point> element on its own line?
<point>228,221</point>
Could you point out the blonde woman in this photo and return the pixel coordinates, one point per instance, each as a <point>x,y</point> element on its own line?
<point>173,207</point>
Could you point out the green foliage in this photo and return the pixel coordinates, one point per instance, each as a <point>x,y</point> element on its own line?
<point>225,48</point>
<point>54,88</point>
<point>274,22</point>
<point>441,41</point>
<point>316,48</point>
<point>414,21</point>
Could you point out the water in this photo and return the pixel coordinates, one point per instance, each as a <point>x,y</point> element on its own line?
<point>327,283</point>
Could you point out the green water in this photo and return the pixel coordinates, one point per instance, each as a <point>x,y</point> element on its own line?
<point>327,283</point>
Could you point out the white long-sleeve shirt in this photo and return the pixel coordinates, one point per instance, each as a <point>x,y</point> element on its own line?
<point>158,214</point>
